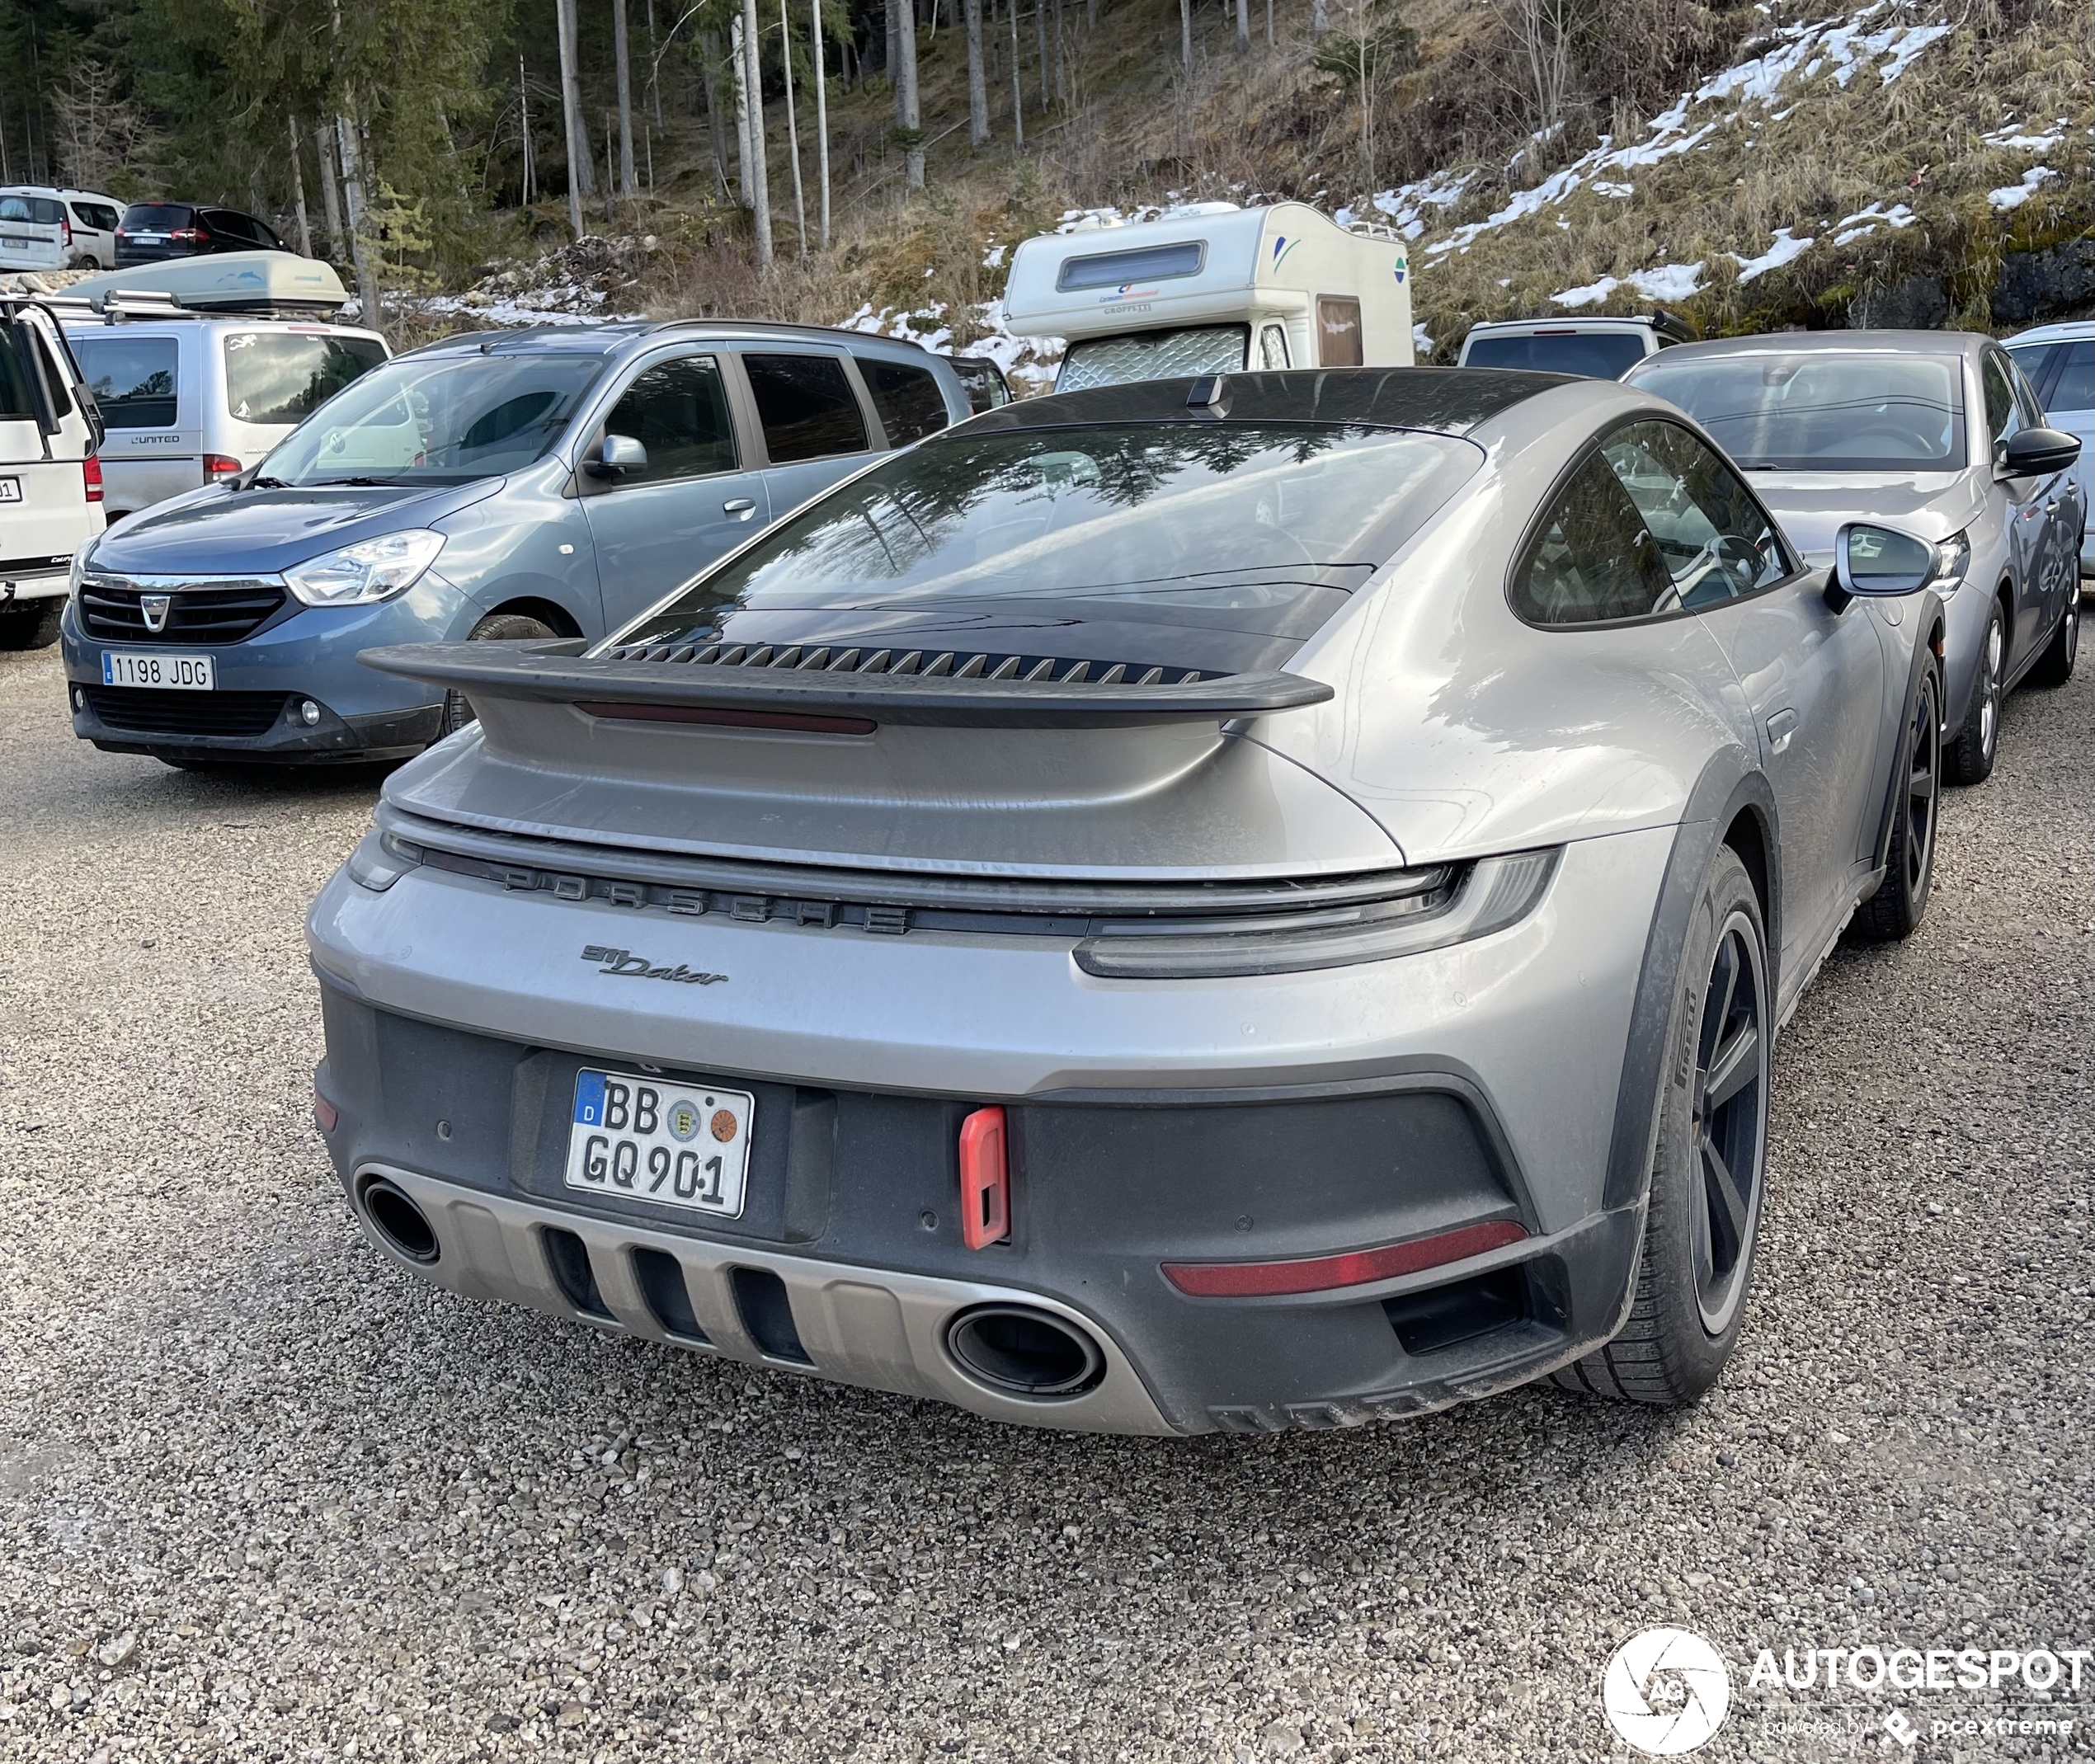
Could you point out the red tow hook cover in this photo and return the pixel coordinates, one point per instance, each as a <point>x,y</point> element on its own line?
<point>985,1180</point>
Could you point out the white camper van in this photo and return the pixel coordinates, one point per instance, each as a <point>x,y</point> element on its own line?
<point>1213,289</point>
<point>50,479</point>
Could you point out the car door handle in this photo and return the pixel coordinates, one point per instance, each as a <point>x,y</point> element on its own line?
<point>1781,726</point>
<point>741,507</point>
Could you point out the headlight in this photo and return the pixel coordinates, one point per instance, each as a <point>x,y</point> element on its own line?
<point>73,576</point>
<point>1952,558</point>
<point>371,569</point>
<point>1494,893</point>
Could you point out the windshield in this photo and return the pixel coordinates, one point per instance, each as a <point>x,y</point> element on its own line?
<point>1817,410</point>
<point>1597,355</point>
<point>1117,543</point>
<point>448,419</point>
<point>1154,355</point>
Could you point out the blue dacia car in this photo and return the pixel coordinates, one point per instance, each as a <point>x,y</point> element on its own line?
<point>511,484</point>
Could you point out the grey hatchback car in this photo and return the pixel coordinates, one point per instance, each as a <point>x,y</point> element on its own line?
<point>517,484</point>
<point>1937,433</point>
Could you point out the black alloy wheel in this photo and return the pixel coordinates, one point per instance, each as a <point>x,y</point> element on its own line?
<point>1971,754</point>
<point>1730,1122</point>
<point>1901,898</point>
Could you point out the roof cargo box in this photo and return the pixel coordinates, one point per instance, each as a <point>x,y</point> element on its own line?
<point>1211,289</point>
<point>257,282</point>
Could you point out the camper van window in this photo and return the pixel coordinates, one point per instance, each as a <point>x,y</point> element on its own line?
<point>1151,263</point>
<point>133,378</point>
<point>1154,355</point>
<point>1272,347</point>
<point>284,376</point>
<point>1338,331</point>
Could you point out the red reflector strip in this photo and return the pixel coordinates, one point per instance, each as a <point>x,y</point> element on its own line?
<point>1356,1267</point>
<point>985,1180</point>
<point>325,1112</point>
<point>726,719</point>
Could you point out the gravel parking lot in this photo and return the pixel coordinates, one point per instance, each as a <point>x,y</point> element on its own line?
<point>262,1496</point>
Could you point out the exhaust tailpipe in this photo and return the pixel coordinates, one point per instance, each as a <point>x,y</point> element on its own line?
<point>1023,1351</point>
<point>396,1219</point>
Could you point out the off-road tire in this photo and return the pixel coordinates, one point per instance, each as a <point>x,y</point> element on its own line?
<point>32,624</point>
<point>2055,667</point>
<point>457,712</point>
<point>1894,910</point>
<point>1666,1354</point>
<point>1970,753</point>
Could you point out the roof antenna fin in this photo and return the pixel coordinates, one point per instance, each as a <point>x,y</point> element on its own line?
<point>1210,395</point>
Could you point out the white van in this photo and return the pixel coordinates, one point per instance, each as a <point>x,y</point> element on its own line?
<point>51,480</point>
<point>190,400</point>
<point>90,220</point>
<point>1214,289</point>
<point>1593,348</point>
<point>34,233</point>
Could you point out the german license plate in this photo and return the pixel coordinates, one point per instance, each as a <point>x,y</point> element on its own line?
<point>9,490</point>
<point>132,667</point>
<point>676,1144</point>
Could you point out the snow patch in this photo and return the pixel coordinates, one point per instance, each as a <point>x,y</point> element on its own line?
<point>1421,341</point>
<point>2016,139</point>
<point>1865,220</point>
<point>1669,281</point>
<point>1787,246</point>
<point>2014,195</point>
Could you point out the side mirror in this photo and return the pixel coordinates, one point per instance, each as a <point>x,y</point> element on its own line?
<point>2035,453</point>
<point>616,456</point>
<point>1877,562</point>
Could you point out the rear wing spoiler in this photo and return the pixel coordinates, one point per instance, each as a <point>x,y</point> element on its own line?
<point>834,690</point>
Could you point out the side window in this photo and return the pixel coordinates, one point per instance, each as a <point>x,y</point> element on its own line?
<point>2002,418</point>
<point>1714,540</point>
<point>134,377</point>
<point>56,381</point>
<point>1594,558</point>
<point>2027,406</point>
<point>806,405</point>
<point>1338,331</point>
<point>908,399</point>
<point>678,411</point>
<point>2073,389</point>
<point>1272,347</point>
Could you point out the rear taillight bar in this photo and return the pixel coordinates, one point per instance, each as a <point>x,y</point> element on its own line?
<point>91,477</point>
<point>217,466</point>
<point>1353,1267</point>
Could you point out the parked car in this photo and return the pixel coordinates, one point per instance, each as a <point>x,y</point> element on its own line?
<point>1935,431</point>
<point>534,483</point>
<point>193,401</point>
<point>2059,361</point>
<point>150,232</point>
<point>51,480</point>
<point>1229,904</point>
<point>987,387</point>
<point>34,233</point>
<point>90,221</point>
<point>1597,348</point>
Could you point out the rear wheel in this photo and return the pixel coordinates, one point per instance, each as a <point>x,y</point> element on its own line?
<point>1702,1220</point>
<point>1972,752</point>
<point>30,624</point>
<point>2055,667</point>
<point>1901,898</point>
<point>457,712</point>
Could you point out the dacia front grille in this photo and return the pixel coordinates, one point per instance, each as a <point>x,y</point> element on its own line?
<point>223,613</point>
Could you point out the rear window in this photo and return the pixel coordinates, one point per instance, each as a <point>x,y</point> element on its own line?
<point>283,377</point>
<point>908,399</point>
<point>38,211</point>
<point>1595,355</point>
<point>1250,536</point>
<point>133,379</point>
<point>156,217</point>
<point>806,406</point>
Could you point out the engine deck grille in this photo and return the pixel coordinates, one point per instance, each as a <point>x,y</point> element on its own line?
<point>922,664</point>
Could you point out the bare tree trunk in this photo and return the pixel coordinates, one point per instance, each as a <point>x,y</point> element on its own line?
<point>1062,60</point>
<point>330,202</point>
<point>909,116</point>
<point>759,178</point>
<point>737,47</point>
<point>367,286</point>
<point>570,116</point>
<point>793,129</point>
<point>821,115</point>
<point>1185,32</point>
<point>298,192</point>
<point>1018,78</point>
<point>1269,24</point>
<point>1091,15</point>
<point>628,185</point>
<point>977,87</point>
<point>1040,37</point>
<point>1319,22</point>
<point>1243,27</point>
<point>654,78</point>
<point>709,65</point>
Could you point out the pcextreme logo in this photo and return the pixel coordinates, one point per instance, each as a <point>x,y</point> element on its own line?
<point>1666,1691</point>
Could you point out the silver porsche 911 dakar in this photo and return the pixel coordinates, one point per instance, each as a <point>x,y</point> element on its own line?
<point>1230,905</point>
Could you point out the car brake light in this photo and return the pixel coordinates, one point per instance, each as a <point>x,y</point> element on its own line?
<point>221,465</point>
<point>65,230</point>
<point>1356,1267</point>
<point>188,235</point>
<point>91,477</point>
<point>985,1180</point>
